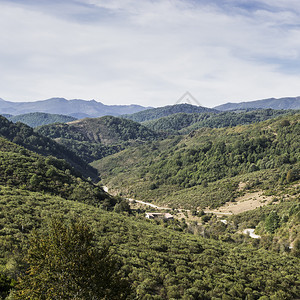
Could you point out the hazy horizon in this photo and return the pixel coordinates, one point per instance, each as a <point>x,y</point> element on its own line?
<point>149,52</point>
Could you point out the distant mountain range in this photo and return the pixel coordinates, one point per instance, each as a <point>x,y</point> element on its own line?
<point>80,109</point>
<point>76,108</point>
<point>281,103</point>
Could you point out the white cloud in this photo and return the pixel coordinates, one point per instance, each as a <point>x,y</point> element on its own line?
<point>149,52</point>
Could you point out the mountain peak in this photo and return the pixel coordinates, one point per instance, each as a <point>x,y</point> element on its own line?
<point>73,107</point>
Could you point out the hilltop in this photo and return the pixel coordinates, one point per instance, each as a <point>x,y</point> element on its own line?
<point>184,123</point>
<point>36,119</point>
<point>156,113</point>
<point>94,138</point>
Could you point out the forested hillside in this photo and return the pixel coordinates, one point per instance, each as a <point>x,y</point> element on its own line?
<point>38,119</point>
<point>93,139</point>
<point>29,171</point>
<point>184,123</point>
<point>159,263</point>
<point>52,220</point>
<point>206,167</point>
<point>24,135</point>
<point>159,112</point>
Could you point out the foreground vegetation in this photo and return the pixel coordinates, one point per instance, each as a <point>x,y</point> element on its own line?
<point>159,263</point>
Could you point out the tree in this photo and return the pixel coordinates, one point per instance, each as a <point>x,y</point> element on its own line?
<point>64,264</point>
<point>122,206</point>
<point>272,222</point>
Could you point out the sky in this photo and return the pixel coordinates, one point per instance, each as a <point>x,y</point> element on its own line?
<point>149,52</point>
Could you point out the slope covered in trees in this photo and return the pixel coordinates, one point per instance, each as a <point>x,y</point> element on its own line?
<point>25,136</point>
<point>93,139</point>
<point>206,167</point>
<point>29,171</point>
<point>36,119</point>
<point>159,263</point>
<point>184,123</point>
<point>159,112</point>
<point>160,260</point>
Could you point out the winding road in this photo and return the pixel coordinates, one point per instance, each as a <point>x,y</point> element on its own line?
<point>249,231</point>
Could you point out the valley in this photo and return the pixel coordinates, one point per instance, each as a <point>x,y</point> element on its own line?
<point>229,183</point>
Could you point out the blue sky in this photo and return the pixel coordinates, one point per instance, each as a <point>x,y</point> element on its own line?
<point>149,52</point>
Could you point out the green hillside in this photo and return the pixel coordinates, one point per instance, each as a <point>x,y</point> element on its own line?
<point>37,119</point>
<point>185,123</point>
<point>158,259</point>
<point>29,171</point>
<point>95,138</point>
<point>205,167</point>
<point>159,263</point>
<point>159,112</point>
<point>25,136</point>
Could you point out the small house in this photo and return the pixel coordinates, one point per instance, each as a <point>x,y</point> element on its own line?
<point>159,216</point>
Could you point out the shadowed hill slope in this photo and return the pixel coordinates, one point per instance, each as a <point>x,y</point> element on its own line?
<point>25,136</point>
